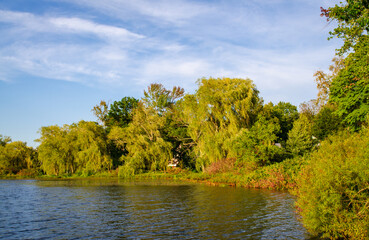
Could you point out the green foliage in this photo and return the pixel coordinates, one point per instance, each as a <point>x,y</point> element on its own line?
<point>353,21</point>
<point>285,113</point>
<point>176,132</point>
<point>91,142</point>
<point>161,99</point>
<point>256,145</point>
<point>216,113</point>
<point>74,148</point>
<point>15,156</point>
<point>101,112</point>
<point>326,122</point>
<point>280,175</point>
<point>4,140</point>
<point>333,189</point>
<point>350,88</point>
<point>147,139</point>
<point>147,150</point>
<point>126,171</point>
<point>121,112</point>
<point>300,138</point>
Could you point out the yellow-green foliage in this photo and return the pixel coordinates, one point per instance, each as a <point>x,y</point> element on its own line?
<point>216,113</point>
<point>300,138</point>
<point>147,150</point>
<point>91,141</point>
<point>333,189</point>
<point>15,156</point>
<point>255,146</point>
<point>74,148</point>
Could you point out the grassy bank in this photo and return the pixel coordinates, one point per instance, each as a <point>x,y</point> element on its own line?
<point>279,176</point>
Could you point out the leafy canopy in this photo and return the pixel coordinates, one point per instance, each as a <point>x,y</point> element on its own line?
<point>350,88</point>
<point>216,113</point>
<point>353,21</point>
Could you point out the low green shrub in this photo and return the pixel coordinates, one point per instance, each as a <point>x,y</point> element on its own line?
<point>333,189</point>
<point>126,171</point>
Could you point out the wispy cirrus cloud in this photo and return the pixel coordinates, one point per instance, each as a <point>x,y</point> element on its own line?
<point>160,11</point>
<point>30,22</point>
<point>278,44</point>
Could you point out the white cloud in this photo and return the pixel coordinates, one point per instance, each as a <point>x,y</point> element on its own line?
<point>79,26</point>
<point>30,22</point>
<point>172,42</point>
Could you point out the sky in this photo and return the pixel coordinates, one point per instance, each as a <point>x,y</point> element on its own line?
<point>60,58</point>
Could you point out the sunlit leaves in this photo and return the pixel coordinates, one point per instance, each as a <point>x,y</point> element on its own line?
<point>350,88</point>
<point>333,193</point>
<point>146,138</point>
<point>15,156</point>
<point>74,148</point>
<point>353,21</point>
<point>216,112</point>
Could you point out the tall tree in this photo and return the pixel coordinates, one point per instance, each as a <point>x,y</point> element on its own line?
<point>300,138</point>
<point>92,143</point>
<point>146,137</point>
<point>324,81</point>
<point>56,150</point>
<point>216,113</point>
<point>350,88</point>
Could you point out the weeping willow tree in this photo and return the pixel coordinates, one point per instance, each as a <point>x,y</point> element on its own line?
<point>15,156</point>
<point>76,148</point>
<point>145,137</point>
<point>56,150</point>
<point>216,113</point>
<point>92,143</point>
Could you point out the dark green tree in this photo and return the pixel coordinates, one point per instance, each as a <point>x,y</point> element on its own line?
<point>121,112</point>
<point>350,88</point>
<point>257,144</point>
<point>300,138</point>
<point>326,122</point>
<point>285,113</point>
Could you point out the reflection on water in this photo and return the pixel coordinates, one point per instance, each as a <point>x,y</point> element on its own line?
<point>109,209</point>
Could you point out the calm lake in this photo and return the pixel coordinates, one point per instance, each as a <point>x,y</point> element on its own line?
<point>113,209</point>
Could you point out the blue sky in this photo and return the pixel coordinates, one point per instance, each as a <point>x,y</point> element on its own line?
<point>59,58</point>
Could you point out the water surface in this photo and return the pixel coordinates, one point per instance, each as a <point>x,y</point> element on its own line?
<point>110,209</point>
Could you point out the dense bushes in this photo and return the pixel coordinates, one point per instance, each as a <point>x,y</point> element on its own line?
<point>333,188</point>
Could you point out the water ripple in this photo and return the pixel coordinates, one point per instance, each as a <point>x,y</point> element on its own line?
<point>32,209</point>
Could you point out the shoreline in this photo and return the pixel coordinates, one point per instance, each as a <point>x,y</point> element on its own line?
<point>257,179</point>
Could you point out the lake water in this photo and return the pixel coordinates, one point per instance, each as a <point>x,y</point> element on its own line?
<point>111,209</point>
